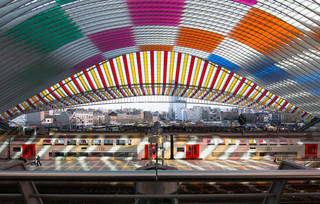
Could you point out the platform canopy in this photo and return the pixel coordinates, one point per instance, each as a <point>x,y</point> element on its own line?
<point>258,54</point>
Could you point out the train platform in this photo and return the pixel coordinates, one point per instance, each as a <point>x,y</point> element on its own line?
<point>131,165</point>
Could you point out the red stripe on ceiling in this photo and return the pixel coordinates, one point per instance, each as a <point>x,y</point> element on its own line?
<point>294,110</point>
<point>109,92</point>
<point>190,70</point>
<point>114,73</point>
<point>305,113</point>
<point>194,93</point>
<point>252,88</point>
<point>28,101</point>
<point>89,80</point>
<point>165,71</point>
<point>9,113</point>
<point>44,101</point>
<point>76,83</point>
<point>103,98</point>
<point>53,94</point>
<point>262,95</point>
<point>239,86</point>
<point>20,109</point>
<point>203,73</point>
<point>215,78</point>
<point>273,100</point>
<point>124,57</point>
<point>101,76</point>
<point>140,72</point>
<point>64,88</point>
<point>283,105</point>
<point>152,70</point>
<point>227,82</point>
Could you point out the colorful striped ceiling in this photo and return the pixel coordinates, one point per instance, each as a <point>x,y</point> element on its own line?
<point>263,54</point>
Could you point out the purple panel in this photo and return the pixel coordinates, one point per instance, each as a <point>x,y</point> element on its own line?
<point>88,63</point>
<point>247,2</point>
<point>156,12</point>
<point>113,39</point>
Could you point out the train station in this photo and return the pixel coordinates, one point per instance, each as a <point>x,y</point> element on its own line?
<point>84,83</point>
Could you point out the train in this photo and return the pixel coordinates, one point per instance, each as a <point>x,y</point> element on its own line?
<point>137,146</point>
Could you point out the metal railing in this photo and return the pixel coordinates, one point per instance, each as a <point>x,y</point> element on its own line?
<point>25,179</point>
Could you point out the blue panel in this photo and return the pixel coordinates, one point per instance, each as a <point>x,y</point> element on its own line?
<point>223,63</point>
<point>270,73</point>
<point>307,79</point>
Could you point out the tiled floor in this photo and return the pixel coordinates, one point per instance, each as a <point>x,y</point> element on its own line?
<point>117,165</point>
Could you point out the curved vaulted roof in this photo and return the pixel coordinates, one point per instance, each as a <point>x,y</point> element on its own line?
<point>259,54</point>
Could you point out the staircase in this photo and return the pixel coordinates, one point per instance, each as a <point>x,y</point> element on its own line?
<point>308,125</point>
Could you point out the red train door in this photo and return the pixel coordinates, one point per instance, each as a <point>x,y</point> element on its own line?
<point>153,150</point>
<point>28,151</point>
<point>192,151</point>
<point>311,150</point>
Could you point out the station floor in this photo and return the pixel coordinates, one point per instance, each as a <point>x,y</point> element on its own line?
<point>117,165</point>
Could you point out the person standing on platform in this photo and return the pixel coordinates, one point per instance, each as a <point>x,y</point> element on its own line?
<point>38,161</point>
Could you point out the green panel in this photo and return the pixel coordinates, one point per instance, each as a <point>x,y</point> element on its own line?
<point>46,31</point>
<point>64,1</point>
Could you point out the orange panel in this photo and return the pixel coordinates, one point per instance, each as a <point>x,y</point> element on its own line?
<point>198,39</point>
<point>263,31</point>
<point>156,47</point>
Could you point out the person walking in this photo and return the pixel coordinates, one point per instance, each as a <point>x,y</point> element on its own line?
<point>38,161</point>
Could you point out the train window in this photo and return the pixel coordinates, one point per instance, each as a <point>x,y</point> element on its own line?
<point>252,148</point>
<point>121,154</point>
<point>59,154</point>
<point>121,142</point>
<point>71,142</point>
<point>71,154</point>
<point>83,154</point>
<point>263,142</point>
<point>283,142</point>
<point>180,149</point>
<point>96,154</point>
<point>96,142</point>
<point>262,154</point>
<point>129,142</point>
<point>243,142</point>
<point>231,142</point>
<point>17,149</point>
<point>84,142</point>
<point>47,142</point>
<point>252,142</point>
<point>133,154</point>
<point>108,142</point>
<point>221,142</point>
<point>273,142</point>
<point>50,154</point>
<point>59,142</point>
<point>211,142</point>
<point>108,154</point>
<point>83,147</point>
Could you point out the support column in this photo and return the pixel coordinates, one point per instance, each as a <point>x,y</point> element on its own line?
<point>171,147</point>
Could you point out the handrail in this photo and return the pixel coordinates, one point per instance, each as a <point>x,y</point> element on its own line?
<point>161,176</point>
